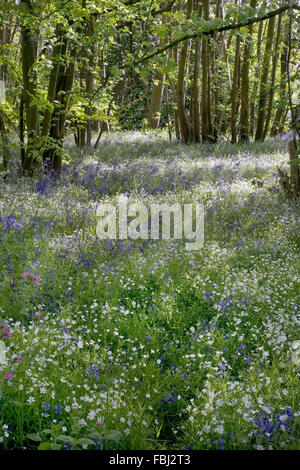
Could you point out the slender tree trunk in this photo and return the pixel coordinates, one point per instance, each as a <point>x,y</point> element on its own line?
<point>223,119</point>
<point>235,91</point>
<point>282,102</point>
<point>82,125</point>
<point>21,130</point>
<point>180,88</point>
<point>90,82</point>
<point>256,82</point>
<point>195,92</point>
<point>4,38</point>
<point>283,119</point>
<point>219,56</point>
<point>29,56</point>
<point>59,50</point>
<point>174,55</point>
<point>53,157</point>
<point>195,102</point>
<point>273,78</point>
<point>244,135</point>
<point>168,113</point>
<point>263,89</point>
<point>5,141</point>
<point>295,167</point>
<point>156,100</point>
<point>157,92</point>
<point>206,124</point>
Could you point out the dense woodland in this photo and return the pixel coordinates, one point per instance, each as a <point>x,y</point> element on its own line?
<point>205,70</point>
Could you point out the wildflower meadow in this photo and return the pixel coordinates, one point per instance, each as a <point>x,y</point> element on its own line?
<point>142,344</point>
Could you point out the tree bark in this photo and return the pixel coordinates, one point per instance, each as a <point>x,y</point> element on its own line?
<point>59,50</point>
<point>195,92</point>
<point>52,156</point>
<point>156,100</point>
<point>90,82</point>
<point>282,101</point>
<point>206,124</point>
<point>273,78</point>
<point>157,93</point>
<point>180,87</point>
<point>263,89</point>
<point>256,80</point>
<point>5,141</point>
<point>4,38</point>
<point>29,56</point>
<point>244,133</point>
<point>235,91</point>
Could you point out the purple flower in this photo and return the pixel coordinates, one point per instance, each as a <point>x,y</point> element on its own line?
<point>46,406</point>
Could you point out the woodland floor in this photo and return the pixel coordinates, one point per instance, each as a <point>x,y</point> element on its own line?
<point>144,345</point>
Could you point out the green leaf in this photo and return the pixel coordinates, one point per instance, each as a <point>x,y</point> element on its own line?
<point>86,442</point>
<point>34,437</point>
<point>113,436</point>
<point>44,446</point>
<point>63,438</point>
<point>55,446</point>
<point>244,30</point>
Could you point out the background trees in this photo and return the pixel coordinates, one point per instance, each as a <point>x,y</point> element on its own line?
<point>88,66</point>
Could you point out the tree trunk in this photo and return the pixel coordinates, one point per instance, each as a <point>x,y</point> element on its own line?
<point>157,93</point>
<point>256,81</point>
<point>206,124</point>
<point>168,113</point>
<point>220,58</point>
<point>29,56</point>
<point>90,82</point>
<point>235,90</point>
<point>244,135</point>
<point>180,88</point>
<point>59,50</point>
<point>195,102</point>
<point>282,102</point>
<point>156,100</point>
<point>4,38</point>
<point>263,89</point>
<point>53,156</point>
<point>195,92</point>
<point>21,130</point>
<point>5,141</point>
<point>295,167</point>
<point>273,78</point>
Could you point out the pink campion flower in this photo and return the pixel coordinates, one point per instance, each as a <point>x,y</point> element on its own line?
<point>7,335</point>
<point>99,423</point>
<point>9,376</point>
<point>18,358</point>
<point>31,277</point>
<point>38,315</point>
<point>4,332</point>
